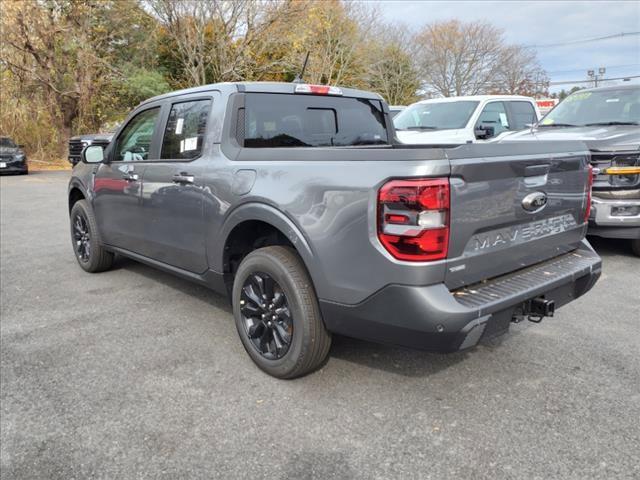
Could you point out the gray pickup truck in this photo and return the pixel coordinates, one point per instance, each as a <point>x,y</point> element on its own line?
<point>607,119</point>
<point>299,203</point>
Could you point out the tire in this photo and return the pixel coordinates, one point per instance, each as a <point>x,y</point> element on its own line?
<point>635,247</point>
<point>300,322</point>
<point>84,231</point>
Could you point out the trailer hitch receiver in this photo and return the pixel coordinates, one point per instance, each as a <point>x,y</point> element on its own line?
<point>538,308</point>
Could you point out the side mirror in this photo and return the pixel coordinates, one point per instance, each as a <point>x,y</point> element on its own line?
<point>93,154</point>
<point>484,131</point>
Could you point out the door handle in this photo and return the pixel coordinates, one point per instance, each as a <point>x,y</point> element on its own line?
<point>183,178</point>
<point>535,170</point>
<point>131,177</point>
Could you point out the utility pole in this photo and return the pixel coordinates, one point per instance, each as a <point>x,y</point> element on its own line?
<point>592,74</point>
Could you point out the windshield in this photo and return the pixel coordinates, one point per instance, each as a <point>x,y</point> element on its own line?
<point>435,116</point>
<point>603,107</point>
<point>7,142</point>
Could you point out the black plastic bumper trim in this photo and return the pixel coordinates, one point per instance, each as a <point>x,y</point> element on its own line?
<point>430,318</point>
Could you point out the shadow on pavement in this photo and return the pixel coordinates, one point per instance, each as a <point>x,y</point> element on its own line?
<point>403,361</point>
<point>611,246</point>
<point>392,359</point>
<point>184,286</point>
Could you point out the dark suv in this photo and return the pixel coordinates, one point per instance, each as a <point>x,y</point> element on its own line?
<point>297,201</point>
<point>78,143</point>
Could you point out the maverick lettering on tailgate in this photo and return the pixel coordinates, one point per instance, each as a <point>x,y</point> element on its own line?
<point>525,232</point>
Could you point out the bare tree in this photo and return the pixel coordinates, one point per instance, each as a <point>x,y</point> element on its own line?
<point>458,58</point>
<point>219,40</point>
<point>334,33</point>
<point>390,67</point>
<point>520,73</point>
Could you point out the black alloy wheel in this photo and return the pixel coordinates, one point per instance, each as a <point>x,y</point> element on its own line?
<point>85,239</point>
<point>266,316</point>
<point>81,237</point>
<point>277,314</point>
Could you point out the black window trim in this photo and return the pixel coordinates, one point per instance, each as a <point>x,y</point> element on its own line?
<point>165,119</point>
<point>234,152</point>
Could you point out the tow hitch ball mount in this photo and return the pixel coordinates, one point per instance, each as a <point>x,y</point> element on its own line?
<point>535,310</point>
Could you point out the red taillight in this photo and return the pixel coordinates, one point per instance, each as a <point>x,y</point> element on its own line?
<point>587,208</point>
<point>413,218</point>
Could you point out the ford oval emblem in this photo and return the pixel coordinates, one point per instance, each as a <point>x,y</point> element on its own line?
<point>534,202</point>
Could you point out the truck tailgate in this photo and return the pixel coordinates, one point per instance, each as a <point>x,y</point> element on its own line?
<point>513,205</point>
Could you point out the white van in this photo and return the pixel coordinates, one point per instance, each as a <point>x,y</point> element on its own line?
<point>456,120</point>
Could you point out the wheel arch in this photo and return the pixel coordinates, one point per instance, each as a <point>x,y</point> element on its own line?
<point>76,192</point>
<point>253,226</point>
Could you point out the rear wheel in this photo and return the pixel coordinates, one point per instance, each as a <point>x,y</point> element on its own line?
<point>277,314</point>
<point>91,255</point>
<point>635,246</point>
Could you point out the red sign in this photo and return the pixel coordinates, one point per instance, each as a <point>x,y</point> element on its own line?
<point>547,103</point>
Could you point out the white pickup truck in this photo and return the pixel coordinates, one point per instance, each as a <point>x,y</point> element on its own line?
<point>456,120</point>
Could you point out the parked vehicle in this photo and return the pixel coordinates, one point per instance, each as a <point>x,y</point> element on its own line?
<point>396,109</point>
<point>12,157</point>
<point>607,119</point>
<point>78,143</point>
<point>298,202</point>
<point>457,120</point>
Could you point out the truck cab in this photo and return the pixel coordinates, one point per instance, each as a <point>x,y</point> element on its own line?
<point>457,120</point>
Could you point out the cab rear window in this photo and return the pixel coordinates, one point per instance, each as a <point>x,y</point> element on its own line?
<point>278,120</point>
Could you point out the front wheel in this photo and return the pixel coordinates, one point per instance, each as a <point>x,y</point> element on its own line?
<point>91,255</point>
<point>277,314</point>
<point>635,246</point>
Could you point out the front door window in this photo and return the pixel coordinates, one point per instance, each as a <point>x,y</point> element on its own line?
<point>134,142</point>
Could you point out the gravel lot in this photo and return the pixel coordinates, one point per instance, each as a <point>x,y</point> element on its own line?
<point>136,374</point>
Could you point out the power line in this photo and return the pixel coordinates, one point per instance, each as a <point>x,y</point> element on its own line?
<point>587,68</point>
<point>571,82</point>
<point>584,40</point>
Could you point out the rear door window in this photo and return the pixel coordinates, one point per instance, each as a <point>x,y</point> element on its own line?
<point>522,114</point>
<point>185,130</point>
<point>278,120</point>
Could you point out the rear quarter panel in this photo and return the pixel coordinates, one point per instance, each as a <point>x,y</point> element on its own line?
<point>331,204</point>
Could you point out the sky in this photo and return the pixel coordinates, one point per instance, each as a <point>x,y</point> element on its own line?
<point>542,23</point>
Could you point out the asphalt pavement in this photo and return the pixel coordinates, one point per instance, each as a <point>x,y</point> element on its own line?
<point>133,373</point>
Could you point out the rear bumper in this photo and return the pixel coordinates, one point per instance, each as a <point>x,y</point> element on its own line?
<point>606,221</point>
<point>436,319</point>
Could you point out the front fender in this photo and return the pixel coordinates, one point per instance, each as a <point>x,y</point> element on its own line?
<point>76,184</point>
